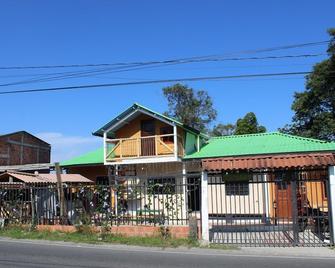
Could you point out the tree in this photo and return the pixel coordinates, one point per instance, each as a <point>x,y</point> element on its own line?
<point>193,108</point>
<point>223,130</point>
<point>248,125</point>
<point>314,109</point>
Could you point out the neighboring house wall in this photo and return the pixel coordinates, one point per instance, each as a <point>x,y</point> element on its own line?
<point>222,201</point>
<point>23,148</point>
<point>90,172</point>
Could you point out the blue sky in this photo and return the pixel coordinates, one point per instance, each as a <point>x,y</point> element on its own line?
<point>81,32</point>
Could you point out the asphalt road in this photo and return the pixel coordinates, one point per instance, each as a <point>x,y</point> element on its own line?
<point>14,253</point>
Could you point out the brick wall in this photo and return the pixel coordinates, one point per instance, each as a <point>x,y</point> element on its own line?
<point>127,230</point>
<point>23,148</point>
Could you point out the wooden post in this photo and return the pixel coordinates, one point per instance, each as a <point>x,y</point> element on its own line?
<point>109,172</point>
<point>32,199</point>
<point>156,147</point>
<point>60,192</point>
<point>175,140</point>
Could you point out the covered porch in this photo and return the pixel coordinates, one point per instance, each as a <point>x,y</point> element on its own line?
<point>272,200</point>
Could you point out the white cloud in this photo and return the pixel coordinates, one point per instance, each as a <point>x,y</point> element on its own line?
<point>65,147</point>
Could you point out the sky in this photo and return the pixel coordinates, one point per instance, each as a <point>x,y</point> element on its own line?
<point>39,33</point>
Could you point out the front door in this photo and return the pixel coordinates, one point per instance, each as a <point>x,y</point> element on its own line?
<point>147,141</point>
<point>283,195</point>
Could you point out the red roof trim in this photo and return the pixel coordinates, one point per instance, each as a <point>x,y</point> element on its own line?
<point>282,161</point>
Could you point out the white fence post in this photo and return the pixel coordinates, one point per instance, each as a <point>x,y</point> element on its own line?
<point>116,192</point>
<point>331,171</point>
<point>204,208</point>
<point>185,192</point>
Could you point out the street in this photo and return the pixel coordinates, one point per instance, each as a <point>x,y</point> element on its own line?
<point>24,253</point>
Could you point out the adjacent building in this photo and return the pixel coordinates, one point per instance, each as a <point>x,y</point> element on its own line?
<point>24,152</point>
<point>21,148</point>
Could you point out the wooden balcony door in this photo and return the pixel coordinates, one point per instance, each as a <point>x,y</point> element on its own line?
<point>148,147</point>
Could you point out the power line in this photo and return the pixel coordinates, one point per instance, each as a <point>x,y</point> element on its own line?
<point>89,73</point>
<point>188,79</point>
<point>166,61</point>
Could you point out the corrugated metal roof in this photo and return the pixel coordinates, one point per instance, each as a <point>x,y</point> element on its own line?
<point>257,144</point>
<point>67,178</point>
<point>92,158</point>
<point>282,161</point>
<point>24,177</point>
<point>45,178</point>
<point>26,167</point>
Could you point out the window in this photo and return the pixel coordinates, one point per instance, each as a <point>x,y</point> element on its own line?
<point>165,131</point>
<point>162,185</point>
<point>237,183</point>
<point>237,188</point>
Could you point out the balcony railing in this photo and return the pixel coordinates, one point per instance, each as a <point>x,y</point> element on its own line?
<point>142,147</point>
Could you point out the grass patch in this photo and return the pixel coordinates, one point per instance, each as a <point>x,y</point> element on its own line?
<point>96,238</point>
<point>222,246</point>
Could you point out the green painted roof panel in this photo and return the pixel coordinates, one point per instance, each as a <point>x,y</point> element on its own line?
<point>91,158</point>
<point>256,144</point>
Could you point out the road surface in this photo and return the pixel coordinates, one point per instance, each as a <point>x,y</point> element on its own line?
<point>24,253</point>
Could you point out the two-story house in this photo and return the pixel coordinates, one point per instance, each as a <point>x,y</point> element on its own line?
<point>160,171</point>
<point>143,148</point>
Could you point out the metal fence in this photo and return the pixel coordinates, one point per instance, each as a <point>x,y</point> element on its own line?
<point>130,201</point>
<point>278,208</point>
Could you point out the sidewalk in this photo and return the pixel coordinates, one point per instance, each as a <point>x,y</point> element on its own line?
<point>305,252</point>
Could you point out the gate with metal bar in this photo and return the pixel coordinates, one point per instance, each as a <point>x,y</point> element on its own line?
<point>277,208</point>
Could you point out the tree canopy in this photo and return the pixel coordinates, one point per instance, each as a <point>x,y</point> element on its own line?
<point>223,130</point>
<point>314,108</point>
<point>246,125</point>
<point>191,107</point>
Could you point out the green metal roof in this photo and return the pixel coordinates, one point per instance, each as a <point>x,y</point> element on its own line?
<point>237,145</point>
<point>92,158</point>
<point>256,144</point>
<point>138,107</point>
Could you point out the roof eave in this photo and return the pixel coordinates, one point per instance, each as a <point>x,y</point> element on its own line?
<point>189,157</point>
<point>136,106</point>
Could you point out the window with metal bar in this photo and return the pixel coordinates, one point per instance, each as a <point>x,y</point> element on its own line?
<point>162,185</point>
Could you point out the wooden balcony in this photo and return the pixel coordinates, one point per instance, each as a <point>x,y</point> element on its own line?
<point>142,147</point>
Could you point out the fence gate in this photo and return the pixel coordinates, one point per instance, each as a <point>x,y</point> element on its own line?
<point>279,208</point>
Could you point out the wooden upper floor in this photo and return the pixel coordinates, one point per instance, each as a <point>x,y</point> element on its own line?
<point>140,135</point>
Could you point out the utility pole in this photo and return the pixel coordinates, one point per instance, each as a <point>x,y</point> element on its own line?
<point>60,192</point>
